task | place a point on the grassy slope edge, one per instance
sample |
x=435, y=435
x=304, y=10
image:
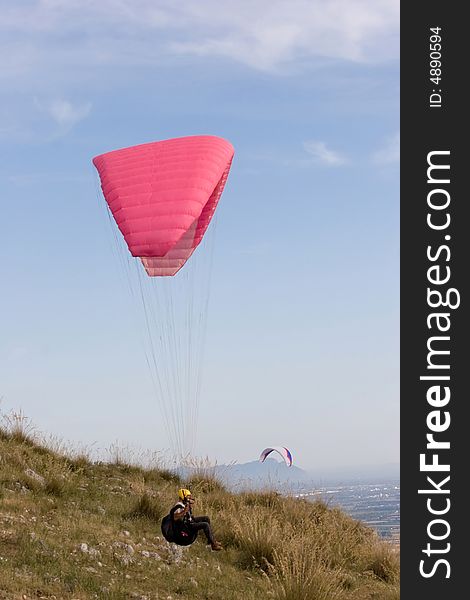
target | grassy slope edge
x=74, y=529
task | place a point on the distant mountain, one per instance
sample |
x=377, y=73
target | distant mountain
x=255, y=474
x=276, y=474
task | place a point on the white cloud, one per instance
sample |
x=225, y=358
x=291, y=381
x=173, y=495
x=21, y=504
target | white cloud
x=63, y=47
x=315, y=152
x=267, y=35
x=390, y=151
x=321, y=154
x=270, y=35
x=31, y=119
x=66, y=115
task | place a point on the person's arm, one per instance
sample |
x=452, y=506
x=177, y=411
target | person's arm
x=179, y=513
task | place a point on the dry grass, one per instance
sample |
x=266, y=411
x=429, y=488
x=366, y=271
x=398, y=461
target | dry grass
x=66, y=525
x=16, y=426
x=258, y=535
x=382, y=560
x=300, y=574
x=148, y=508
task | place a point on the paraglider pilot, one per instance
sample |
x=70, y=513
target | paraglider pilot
x=181, y=527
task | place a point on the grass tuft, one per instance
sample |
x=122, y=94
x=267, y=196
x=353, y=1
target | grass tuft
x=16, y=426
x=383, y=561
x=301, y=575
x=147, y=508
x=258, y=535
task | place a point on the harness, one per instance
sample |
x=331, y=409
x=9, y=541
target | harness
x=177, y=531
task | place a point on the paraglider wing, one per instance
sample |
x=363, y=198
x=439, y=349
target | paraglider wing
x=163, y=195
x=284, y=452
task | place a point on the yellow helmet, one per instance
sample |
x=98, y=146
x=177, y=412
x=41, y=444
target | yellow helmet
x=183, y=494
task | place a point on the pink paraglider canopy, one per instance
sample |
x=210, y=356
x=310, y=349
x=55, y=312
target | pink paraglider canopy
x=163, y=196
x=284, y=452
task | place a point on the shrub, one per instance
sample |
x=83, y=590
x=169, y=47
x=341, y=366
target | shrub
x=168, y=475
x=258, y=534
x=206, y=485
x=17, y=427
x=269, y=499
x=382, y=560
x=300, y=575
x=56, y=486
x=146, y=507
x=79, y=463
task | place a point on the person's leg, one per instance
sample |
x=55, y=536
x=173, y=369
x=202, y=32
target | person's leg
x=201, y=520
x=203, y=524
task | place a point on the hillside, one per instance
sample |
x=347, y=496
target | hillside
x=74, y=529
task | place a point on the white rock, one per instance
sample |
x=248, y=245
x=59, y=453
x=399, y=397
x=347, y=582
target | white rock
x=175, y=554
x=39, y=478
x=91, y=570
x=125, y=560
x=83, y=548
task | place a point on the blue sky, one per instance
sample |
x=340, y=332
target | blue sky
x=302, y=346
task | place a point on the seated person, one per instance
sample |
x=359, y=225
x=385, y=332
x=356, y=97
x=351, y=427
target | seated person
x=185, y=526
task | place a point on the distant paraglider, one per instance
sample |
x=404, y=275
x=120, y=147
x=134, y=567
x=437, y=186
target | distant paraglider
x=284, y=452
